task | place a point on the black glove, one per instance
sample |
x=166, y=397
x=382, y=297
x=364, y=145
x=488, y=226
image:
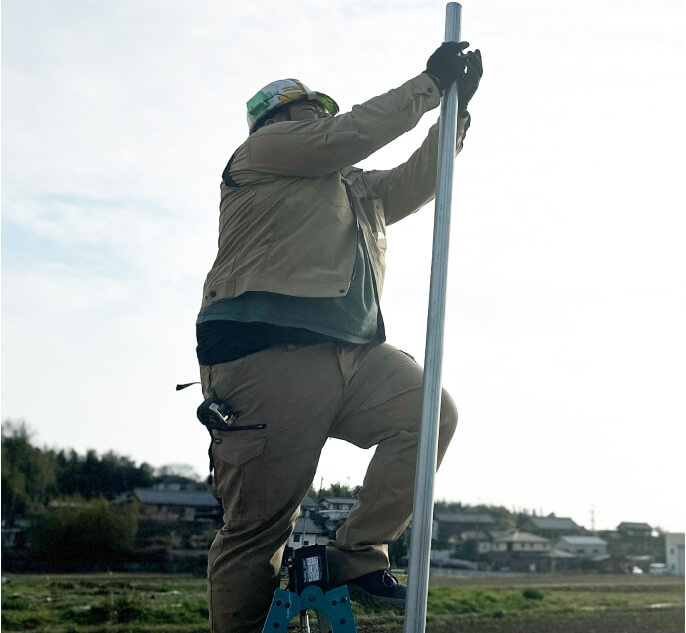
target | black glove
x=446, y=64
x=468, y=82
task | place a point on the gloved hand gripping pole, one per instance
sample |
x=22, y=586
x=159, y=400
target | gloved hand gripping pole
x=420, y=544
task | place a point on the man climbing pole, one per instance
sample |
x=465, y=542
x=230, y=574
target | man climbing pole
x=291, y=337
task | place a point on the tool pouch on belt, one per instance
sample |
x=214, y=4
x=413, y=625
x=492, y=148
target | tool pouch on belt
x=217, y=415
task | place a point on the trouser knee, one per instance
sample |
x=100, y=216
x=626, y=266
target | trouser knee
x=448, y=422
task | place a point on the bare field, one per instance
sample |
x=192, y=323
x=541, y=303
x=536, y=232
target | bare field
x=561, y=581
x=575, y=604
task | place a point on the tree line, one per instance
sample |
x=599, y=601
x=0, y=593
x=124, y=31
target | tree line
x=32, y=477
x=61, y=500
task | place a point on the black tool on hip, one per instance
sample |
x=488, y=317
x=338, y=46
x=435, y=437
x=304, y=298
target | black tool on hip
x=216, y=414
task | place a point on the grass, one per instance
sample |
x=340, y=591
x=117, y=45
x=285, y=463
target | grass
x=98, y=602
x=142, y=603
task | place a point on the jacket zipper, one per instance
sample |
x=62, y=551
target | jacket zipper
x=357, y=226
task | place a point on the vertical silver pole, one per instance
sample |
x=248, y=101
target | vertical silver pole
x=420, y=544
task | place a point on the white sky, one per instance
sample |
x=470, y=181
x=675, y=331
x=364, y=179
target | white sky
x=565, y=342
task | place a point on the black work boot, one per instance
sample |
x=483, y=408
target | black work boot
x=378, y=590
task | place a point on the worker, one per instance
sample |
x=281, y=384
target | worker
x=291, y=336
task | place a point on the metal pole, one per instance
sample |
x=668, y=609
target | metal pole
x=420, y=544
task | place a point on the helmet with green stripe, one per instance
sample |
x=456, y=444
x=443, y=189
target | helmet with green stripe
x=280, y=93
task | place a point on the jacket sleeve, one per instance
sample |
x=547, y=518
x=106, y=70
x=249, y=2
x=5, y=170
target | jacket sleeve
x=408, y=187
x=319, y=147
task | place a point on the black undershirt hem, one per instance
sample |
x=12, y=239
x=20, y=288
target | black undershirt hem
x=223, y=341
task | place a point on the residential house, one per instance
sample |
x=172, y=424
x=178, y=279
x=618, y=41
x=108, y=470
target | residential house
x=318, y=521
x=635, y=543
x=516, y=550
x=307, y=532
x=584, y=547
x=179, y=518
x=484, y=541
x=449, y=526
x=308, y=507
x=634, y=530
x=516, y=541
x=336, y=508
x=674, y=553
x=175, y=482
x=635, y=539
x=172, y=506
x=551, y=527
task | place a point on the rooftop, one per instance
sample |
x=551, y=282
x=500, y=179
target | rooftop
x=307, y=526
x=475, y=535
x=464, y=517
x=583, y=540
x=627, y=525
x=350, y=500
x=519, y=537
x=553, y=523
x=196, y=498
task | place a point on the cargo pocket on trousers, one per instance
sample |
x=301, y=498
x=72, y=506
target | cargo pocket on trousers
x=239, y=477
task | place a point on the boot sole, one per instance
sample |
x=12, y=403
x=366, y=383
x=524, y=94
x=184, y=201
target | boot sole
x=373, y=601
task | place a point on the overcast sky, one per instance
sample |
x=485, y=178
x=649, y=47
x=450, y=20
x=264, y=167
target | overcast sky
x=565, y=342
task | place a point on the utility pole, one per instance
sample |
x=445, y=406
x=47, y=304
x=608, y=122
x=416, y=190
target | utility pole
x=420, y=544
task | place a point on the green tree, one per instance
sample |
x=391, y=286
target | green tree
x=32, y=477
x=339, y=490
x=78, y=529
x=28, y=473
x=180, y=470
x=91, y=476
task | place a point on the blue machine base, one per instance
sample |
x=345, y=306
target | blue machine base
x=333, y=609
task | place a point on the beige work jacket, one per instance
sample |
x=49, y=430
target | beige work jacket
x=289, y=215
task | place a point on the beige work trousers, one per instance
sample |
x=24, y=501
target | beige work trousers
x=366, y=394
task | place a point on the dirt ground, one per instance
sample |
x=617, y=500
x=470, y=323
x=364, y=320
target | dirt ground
x=654, y=621
x=584, y=615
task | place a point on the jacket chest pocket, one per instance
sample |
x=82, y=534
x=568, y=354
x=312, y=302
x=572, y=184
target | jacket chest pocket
x=239, y=474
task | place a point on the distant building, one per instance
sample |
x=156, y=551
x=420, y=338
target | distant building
x=172, y=506
x=177, y=517
x=635, y=529
x=551, y=527
x=674, y=553
x=516, y=541
x=633, y=539
x=483, y=540
x=335, y=508
x=307, y=532
x=450, y=525
x=308, y=506
x=175, y=482
x=636, y=538
x=586, y=547
x=516, y=550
